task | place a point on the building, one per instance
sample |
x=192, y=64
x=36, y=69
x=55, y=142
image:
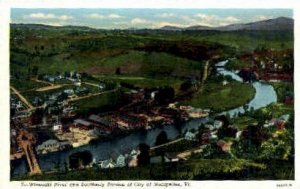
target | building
x=107, y=164
x=121, y=161
x=77, y=82
x=51, y=146
x=224, y=83
x=83, y=124
x=225, y=146
x=190, y=136
x=101, y=124
x=69, y=92
x=57, y=127
x=218, y=124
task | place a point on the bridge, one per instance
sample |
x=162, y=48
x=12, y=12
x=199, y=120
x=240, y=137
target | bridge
x=25, y=140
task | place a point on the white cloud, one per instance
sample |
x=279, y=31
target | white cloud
x=95, y=15
x=65, y=17
x=231, y=19
x=262, y=17
x=165, y=15
x=214, y=20
x=48, y=16
x=41, y=16
x=162, y=24
x=114, y=16
x=100, y=16
x=139, y=21
x=206, y=16
x=52, y=23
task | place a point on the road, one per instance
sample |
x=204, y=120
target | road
x=92, y=84
x=49, y=87
x=40, y=81
x=162, y=145
x=22, y=98
x=90, y=95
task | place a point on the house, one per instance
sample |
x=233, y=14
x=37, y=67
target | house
x=285, y=117
x=107, y=164
x=132, y=162
x=172, y=105
x=77, y=82
x=51, y=146
x=57, y=127
x=153, y=94
x=81, y=91
x=224, y=83
x=69, y=92
x=121, y=161
x=225, y=146
x=210, y=127
x=190, y=136
x=218, y=124
x=102, y=86
x=133, y=153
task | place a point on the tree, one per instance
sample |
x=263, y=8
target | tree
x=35, y=70
x=118, y=71
x=162, y=138
x=255, y=134
x=144, y=157
x=165, y=94
x=80, y=159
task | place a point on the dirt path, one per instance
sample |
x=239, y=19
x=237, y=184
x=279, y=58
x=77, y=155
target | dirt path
x=90, y=95
x=22, y=98
x=92, y=84
x=50, y=87
x=40, y=81
x=162, y=145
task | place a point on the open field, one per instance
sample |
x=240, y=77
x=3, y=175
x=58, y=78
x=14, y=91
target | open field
x=219, y=98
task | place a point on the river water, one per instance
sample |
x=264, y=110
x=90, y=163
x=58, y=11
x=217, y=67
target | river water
x=265, y=94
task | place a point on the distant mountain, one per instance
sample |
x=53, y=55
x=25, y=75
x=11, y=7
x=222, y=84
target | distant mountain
x=198, y=27
x=44, y=26
x=281, y=23
x=171, y=28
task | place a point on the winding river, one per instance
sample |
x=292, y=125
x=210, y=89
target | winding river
x=265, y=94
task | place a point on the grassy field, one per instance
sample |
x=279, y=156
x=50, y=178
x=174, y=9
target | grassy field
x=25, y=85
x=220, y=98
x=143, y=82
x=100, y=102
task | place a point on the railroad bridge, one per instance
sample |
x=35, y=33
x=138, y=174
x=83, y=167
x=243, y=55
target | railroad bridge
x=25, y=140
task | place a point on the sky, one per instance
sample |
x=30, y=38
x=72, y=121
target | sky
x=113, y=18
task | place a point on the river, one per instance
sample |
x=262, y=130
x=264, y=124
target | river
x=265, y=94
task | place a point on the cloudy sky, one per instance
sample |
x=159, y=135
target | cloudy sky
x=143, y=18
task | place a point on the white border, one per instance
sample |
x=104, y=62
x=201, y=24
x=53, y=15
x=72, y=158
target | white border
x=5, y=6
